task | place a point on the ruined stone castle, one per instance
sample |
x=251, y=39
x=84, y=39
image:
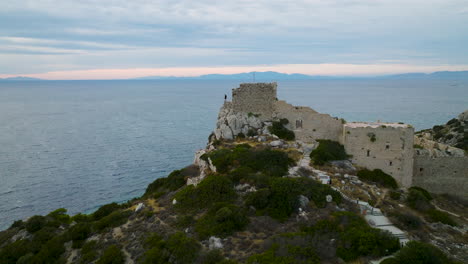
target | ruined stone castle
x=385, y=146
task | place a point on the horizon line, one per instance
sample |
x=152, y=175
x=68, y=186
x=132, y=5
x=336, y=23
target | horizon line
x=313, y=70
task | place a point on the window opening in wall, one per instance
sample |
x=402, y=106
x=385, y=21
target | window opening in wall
x=368, y=153
x=391, y=163
x=421, y=169
x=298, y=123
x=387, y=146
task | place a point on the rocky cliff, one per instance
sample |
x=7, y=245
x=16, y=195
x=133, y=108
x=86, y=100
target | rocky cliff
x=454, y=133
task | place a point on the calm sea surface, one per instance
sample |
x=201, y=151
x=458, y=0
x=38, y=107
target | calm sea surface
x=82, y=144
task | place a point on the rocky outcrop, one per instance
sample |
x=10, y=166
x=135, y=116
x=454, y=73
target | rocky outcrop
x=454, y=133
x=230, y=123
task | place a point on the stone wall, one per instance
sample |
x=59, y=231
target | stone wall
x=384, y=146
x=255, y=98
x=307, y=124
x=443, y=174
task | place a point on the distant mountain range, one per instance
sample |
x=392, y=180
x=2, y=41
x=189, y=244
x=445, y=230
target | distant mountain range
x=277, y=76
x=20, y=78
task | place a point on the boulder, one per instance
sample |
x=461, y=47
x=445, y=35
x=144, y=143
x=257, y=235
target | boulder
x=303, y=201
x=214, y=243
x=276, y=143
x=329, y=198
x=139, y=207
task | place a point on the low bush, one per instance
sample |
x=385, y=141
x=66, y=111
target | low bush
x=418, y=201
x=105, y=210
x=317, y=191
x=326, y=151
x=270, y=162
x=379, y=177
x=221, y=220
x=112, y=255
x=394, y=195
x=112, y=220
x=355, y=238
x=14, y=251
x=78, y=233
x=415, y=252
x=178, y=248
x=172, y=182
x=89, y=252
x=50, y=252
x=278, y=128
x=407, y=220
x=213, y=189
x=60, y=215
x=423, y=191
x=283, y=199
x=439, y=216
x=258, y=199
x=35, y=223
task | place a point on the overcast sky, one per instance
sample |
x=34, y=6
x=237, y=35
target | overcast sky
x=61, y=39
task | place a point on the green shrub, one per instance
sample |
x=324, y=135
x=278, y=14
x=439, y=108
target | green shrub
x=423, y=191
x=221, y=220
x=283, y=199
x=42, y=236
x=258, y=199
x=60, y=215
x=418, y=201
x=417, y=146
x=114, y=219
x=415, y=252
x=317, y=191
x=112, y=255
x=278, y=128
x=271, y=162
x=105, y=210
x=35, y=223
x=18, y=224
x=326, y=151
x=355, y=238
x=394, y=195
x=240, y=135
x=50, y=252
x=408, y=221
x=379, y=177
x=213, y=189
x=172, y=182
x=12, y=252
x=79, y=233
x=80, y=218
x=177, y=249
x=89, y=252
x=184, y=221
x=439, y=216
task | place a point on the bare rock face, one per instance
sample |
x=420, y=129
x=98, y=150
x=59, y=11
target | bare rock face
x=230, y=123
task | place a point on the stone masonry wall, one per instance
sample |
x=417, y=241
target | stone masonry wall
x=392, y=150
x=307, y=124
x=441, y=174
x=256, y=98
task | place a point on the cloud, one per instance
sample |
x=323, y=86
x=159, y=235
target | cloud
x=183, y=33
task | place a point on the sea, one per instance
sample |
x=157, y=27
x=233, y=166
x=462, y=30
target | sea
x=81, y=144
